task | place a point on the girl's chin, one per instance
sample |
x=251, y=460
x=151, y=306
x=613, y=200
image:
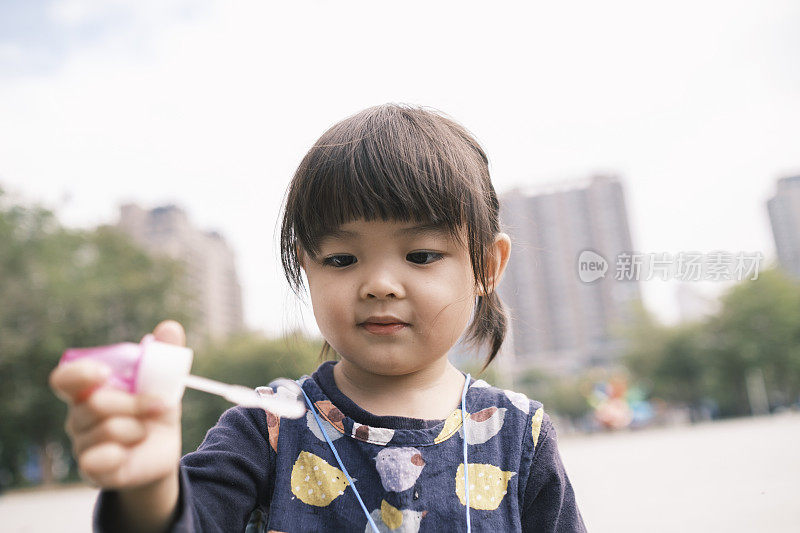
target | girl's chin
x=392, y=365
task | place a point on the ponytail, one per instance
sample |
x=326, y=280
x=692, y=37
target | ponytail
x=489, y=325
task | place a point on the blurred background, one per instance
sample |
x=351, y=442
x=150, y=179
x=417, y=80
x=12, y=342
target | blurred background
x=648, y=162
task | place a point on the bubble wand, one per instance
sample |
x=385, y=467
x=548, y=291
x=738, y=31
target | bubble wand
x=162, y=369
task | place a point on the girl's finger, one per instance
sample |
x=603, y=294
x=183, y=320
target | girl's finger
x=124, y=430
x=70, y=380
x=171, y=332
x=100, y=462
x=108, y=402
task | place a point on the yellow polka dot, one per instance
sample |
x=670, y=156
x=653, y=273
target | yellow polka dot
x=391, y=515
x=488, y=496
x=322, y=475
x=451, y=425
x=536, y=426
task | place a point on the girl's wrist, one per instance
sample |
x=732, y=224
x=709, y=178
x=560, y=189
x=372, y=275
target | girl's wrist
x=150, y=507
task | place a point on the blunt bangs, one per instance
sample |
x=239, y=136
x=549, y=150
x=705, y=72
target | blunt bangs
x=389, y=163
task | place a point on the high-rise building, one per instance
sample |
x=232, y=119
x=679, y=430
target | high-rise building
x=209, y=265
x=784, y=215
x=559, y=322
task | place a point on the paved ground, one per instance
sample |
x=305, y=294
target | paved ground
x=733, y=476
x=58, y=511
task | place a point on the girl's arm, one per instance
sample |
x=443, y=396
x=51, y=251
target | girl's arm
x=221, y=483
x=149, y=508
x=549, y=502
x=128, y=442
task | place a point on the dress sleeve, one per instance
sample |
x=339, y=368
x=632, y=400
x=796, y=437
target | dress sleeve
x=222, y=482
x=549, y=502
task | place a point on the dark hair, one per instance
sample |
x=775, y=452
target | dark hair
x=398, y=162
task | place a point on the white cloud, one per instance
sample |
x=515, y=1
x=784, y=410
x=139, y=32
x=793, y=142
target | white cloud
x=80, y=12
x=10, y=53
x=75, y=12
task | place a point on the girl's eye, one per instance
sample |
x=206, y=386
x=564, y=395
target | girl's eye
x=339, y=261
x=423, y=258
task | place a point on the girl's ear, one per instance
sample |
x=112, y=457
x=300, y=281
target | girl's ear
x=302, y=257
x=497, y=261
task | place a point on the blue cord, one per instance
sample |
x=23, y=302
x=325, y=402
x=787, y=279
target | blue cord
x=338, y=459
x=466, y=464
x=350, y=480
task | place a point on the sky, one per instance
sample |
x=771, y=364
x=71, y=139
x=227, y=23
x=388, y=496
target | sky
x=210, y=105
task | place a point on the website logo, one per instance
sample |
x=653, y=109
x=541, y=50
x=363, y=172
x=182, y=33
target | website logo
x=591, y=266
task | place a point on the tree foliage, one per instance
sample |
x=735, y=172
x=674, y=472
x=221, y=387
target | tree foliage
x=61, y=288
x=247, y=359
x=756, y=329
x=562, y=396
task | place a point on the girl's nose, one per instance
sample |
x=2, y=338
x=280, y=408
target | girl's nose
x=381, y=284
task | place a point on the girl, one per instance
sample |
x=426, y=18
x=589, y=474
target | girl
x=393, y=220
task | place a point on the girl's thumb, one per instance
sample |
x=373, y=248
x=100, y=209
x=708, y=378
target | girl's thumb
x=171, y=332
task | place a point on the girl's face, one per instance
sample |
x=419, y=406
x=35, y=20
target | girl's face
x=391, y=297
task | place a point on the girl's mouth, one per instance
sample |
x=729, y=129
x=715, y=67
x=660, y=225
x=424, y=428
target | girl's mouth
x=384, y=325
x=383, y=329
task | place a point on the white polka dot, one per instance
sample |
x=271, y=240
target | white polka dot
x=301, y=467
x=316, y=468
x=319, y=482
x=297, y=487
x=311, y=491
x=480, y=474
x=307, y=478
x=323, y=495
x=472, y=487
x=479, y=497
x=486, y=488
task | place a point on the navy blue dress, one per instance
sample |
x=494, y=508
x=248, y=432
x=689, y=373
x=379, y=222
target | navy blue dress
x=255, y=472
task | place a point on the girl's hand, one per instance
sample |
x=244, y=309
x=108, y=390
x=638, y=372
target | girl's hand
x=120, y=440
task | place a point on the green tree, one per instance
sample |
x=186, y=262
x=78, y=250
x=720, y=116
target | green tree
x=247, y=359
x=756, y=331
x=61, y=288
x=758, y=328
x=672, y=362
x=563, y=396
